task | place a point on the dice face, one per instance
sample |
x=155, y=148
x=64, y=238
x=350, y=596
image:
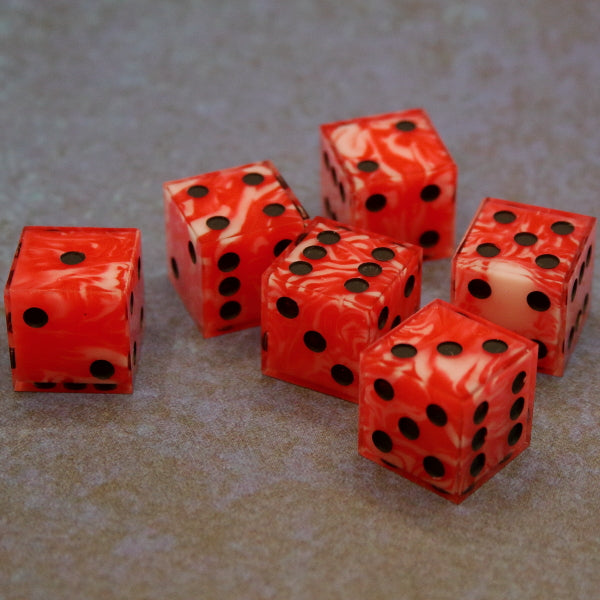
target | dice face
x=446, y=399
x=528, y=269
x=391, y=174
x=223, y=230
x=75, y=309
x=328, y=297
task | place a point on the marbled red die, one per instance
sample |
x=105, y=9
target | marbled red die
x=391, y=174
x=446, y=399
x=529, y=269
x=328, y=297
x=74, y=304
x=223, y=230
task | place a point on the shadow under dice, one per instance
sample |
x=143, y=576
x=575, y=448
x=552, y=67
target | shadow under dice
x=528, y=269
x=75, y=309
x=328, y=297
x=223, y=230
x=446, y=399
x=393, y=175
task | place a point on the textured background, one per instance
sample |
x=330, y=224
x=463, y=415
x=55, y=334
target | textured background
x=212, y=481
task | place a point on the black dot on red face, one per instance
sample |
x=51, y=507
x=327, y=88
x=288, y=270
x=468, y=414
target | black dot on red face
x=368, y=166
x=574, y=290
x=197, y=191
x=477, y=465
x=430, y=193
x=342, y=192
x=375, y=202
x=383, y=317
x=102, y=369
x=44, y=385
x=479, y=289
x=403, y=351
x=408, y=428
x=228, y=262
x=433, y=466
x=538, y=301
x=274, y=210
x=382, y=441
x=383, y=254
x=449, y=348
x=542, y=349
x=174, y=268
x=328, y=237
x=495, y=346
x=131, y=301
x=326, y=159
x=562, y=227
x=481, y=412
x=314, y=252
x=230, y=310
x=405, y=125
x=397, y=320
x=515, y=434
x=280, y=246
x=588, y=257
x=314, y=341
x=518, y=382
x=504, y=217
x=429, y=239
x=217, y=223
x=409, y=286
x=517, y=408
x=356, y=285
x=488, y=250
x=253, y=178
x=525, y=238
x=383, y=388
x=35, y=317
x=369, y=269
x=547, y=261
x=72, y=258
x=342, y=375
x=300, y=267
x=436, y=414
x=192, y=252
x=105, y=387
x=287, y=307
x=479, y=439
x=229, y=286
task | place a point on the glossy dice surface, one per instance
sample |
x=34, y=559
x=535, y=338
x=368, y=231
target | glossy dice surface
x=391, y=174
x=74, y=304
x=529, y=269
x=446, y=399
x=223, y=230
x=328, y=297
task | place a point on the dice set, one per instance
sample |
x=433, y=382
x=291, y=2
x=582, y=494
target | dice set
x=445, y=393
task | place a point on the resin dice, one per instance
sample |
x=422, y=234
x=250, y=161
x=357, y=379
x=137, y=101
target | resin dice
x=74, y=304
x=391, y=174
x=529, y=269
x=327, y=298
x=446, y=399
x=223, y=230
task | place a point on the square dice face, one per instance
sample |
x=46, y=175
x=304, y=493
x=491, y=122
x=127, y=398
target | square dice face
x=75, y=308
x=223, y=230
x=446, y=399
x=328, y=297
x=391, y=174
x=529, y=269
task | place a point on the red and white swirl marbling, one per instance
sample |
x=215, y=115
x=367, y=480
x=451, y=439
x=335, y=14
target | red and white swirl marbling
x=91, y=307
x=388, y=199
x=514, y=273
x=458, y=384
x=246, y=231
x=346, y=320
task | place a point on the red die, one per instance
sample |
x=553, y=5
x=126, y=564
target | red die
x=446, y=399
x=330, y=296
x=528, y=269
x=391, y=174
x=223, y=230
x=75, y=309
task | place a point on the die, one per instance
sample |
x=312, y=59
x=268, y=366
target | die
x=74, y=304
x=223, y=230
x=391, y=174
x=329, y=296
x=446, y=399
x=528, y=269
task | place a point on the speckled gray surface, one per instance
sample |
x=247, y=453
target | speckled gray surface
x=212, y=481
